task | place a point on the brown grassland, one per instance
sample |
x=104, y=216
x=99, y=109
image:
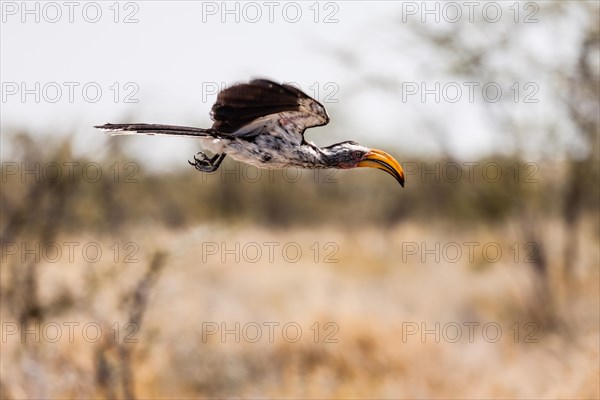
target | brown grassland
x=338, y=289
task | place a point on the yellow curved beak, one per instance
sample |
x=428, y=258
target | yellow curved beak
x=381, y=160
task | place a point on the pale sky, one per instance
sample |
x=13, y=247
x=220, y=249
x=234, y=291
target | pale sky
x=362, y=59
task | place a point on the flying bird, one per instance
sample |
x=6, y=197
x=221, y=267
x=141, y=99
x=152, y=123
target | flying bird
x=262, y=123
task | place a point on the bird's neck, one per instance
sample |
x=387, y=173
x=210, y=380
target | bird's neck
x=325, y=158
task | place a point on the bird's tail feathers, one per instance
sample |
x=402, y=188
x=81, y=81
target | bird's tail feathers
x=155, y=129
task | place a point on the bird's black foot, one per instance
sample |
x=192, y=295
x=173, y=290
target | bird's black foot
x=205, y=164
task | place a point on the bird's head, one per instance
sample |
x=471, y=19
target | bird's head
x=350, y=154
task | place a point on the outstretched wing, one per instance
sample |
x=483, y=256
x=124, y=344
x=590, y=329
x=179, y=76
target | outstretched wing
x=239, y=105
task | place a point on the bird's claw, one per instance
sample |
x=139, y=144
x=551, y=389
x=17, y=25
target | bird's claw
x=205, y=164
x=205, y=159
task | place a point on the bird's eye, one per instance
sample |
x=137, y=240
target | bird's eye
x=357, y=154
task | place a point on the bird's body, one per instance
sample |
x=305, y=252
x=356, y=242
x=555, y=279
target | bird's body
x=262, y=123
x=279, y=148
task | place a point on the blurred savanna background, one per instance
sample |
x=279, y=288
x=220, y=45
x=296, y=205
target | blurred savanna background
x=125, y=273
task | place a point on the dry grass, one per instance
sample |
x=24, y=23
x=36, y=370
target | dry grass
x=371, y=294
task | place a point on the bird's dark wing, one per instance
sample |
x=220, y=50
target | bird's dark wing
x=241, y=104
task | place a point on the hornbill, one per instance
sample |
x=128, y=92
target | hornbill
x=262, y=123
